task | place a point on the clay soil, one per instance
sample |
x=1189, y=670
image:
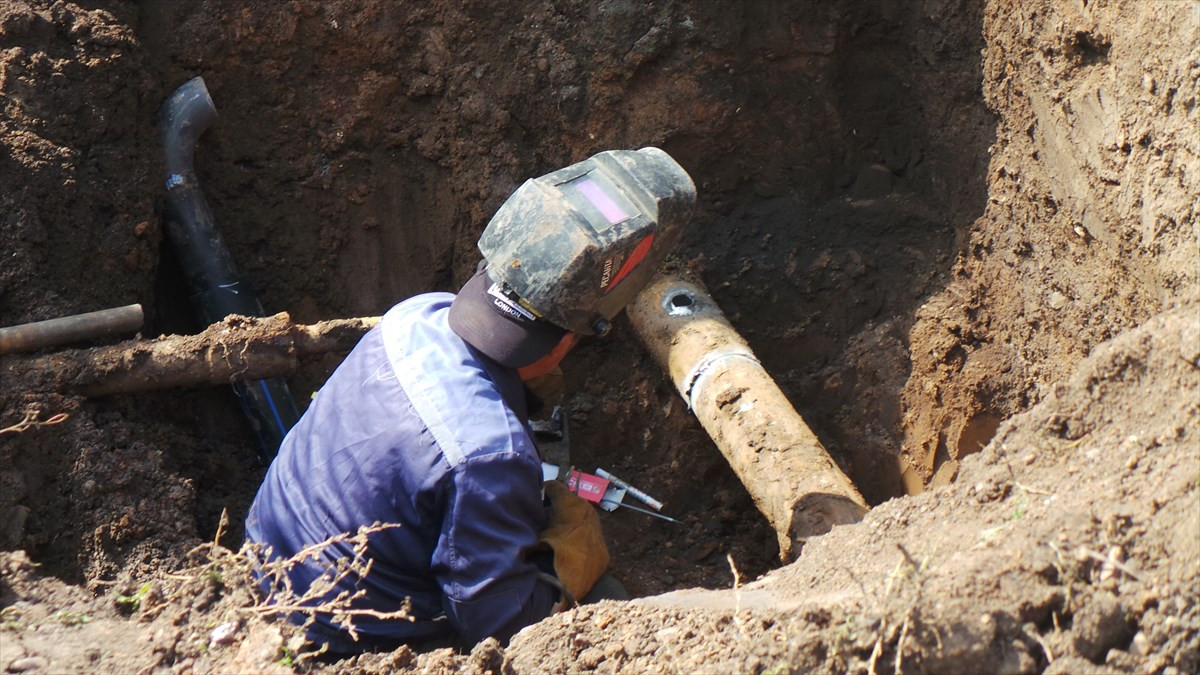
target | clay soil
x=962, y=236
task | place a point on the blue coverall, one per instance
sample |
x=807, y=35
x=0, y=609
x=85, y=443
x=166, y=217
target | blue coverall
x=416, y=427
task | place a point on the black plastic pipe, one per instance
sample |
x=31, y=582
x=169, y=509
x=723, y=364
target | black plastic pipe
x=212, y=278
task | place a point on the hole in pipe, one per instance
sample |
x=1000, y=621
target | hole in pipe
x=678, y=303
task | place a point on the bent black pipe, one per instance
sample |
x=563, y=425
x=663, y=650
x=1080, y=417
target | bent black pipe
x=217, y=289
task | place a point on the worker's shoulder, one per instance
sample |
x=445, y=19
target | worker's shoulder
x=421, y=306
x=449, y=385
x=476, y=420
x=418, y=323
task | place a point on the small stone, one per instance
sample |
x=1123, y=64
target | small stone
x=666, y=635
x=1121, y=661
x=223, y=634
x=1141, y=644
x=1030, y=458
x=1056, y=300
x=1116, y=556
x=29, y=664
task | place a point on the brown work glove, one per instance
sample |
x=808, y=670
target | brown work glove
x=573, y=533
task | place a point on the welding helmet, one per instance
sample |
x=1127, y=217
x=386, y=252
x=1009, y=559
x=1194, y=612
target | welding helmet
x=574, y=246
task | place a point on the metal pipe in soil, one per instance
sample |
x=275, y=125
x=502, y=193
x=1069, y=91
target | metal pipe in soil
x=70, y=329
x=789, y=474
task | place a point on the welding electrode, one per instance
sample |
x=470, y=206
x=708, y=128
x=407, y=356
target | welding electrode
x=641, y=496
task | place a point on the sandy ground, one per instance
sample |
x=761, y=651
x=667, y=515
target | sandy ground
x=964, y=240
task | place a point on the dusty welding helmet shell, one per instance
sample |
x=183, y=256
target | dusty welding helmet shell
x=493, y=322
x=578, y=243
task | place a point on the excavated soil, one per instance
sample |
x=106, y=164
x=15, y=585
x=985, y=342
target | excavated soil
x=963, y=239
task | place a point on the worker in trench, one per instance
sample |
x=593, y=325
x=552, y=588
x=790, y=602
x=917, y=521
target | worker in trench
x=422, y=434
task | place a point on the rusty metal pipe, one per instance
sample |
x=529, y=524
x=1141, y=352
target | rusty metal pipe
x=788, y=473
x=70, y=329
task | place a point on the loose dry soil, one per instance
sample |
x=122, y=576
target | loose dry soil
x=963, y=238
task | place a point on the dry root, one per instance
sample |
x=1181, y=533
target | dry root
x=31, y=421
x=277, y=596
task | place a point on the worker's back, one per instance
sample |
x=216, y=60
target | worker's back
x=415, y=428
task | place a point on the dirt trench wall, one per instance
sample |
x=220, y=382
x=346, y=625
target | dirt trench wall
x=78, y=232
x=77, y=223
x=1092, y=219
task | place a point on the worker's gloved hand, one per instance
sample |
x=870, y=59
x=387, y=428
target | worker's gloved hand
x=573, y=533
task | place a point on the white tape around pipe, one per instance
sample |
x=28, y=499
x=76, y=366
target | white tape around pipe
x=695, y=377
